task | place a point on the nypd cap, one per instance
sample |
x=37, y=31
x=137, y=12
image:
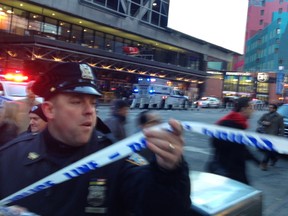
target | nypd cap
x=69, y=77
x=37, y=109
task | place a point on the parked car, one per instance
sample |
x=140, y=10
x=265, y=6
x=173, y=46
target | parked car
x=283, y=110
x=208, y=102
x=258, y=104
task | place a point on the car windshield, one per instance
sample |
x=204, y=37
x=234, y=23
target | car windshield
x=16, y=89
x=283, y=110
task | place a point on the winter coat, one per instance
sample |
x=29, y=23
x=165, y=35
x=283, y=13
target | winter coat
x=276, y=126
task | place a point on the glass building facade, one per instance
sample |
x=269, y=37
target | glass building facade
x=26, y=23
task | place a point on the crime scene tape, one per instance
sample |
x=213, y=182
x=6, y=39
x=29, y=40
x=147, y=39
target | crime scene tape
x=137, y=142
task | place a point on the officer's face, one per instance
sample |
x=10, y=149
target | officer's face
x=37, y=124
x=71, y=117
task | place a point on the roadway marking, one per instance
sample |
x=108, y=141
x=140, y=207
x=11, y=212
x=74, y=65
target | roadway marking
x=195, y=149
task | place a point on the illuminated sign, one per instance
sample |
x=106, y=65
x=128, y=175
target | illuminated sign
x=262, y=77
x=238, y=74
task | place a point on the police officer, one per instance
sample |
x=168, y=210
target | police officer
x=38, y=120
x=125, y=187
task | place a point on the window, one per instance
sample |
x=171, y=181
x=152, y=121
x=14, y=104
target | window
x=99, y=40
x=279, y=21
x=262, y=12
x=154, y=12
x=35, y=24
x=76, y=34
x=280, y=10
x=263, y=3
x=109, y=43
x=119, y=44
x=64, y=31
x=19, y=24
x=278, y=31
x=88, y=38
x=261, y=22
x=262, y=87
x=50, y=28
x=5, y=18
x=276, y=50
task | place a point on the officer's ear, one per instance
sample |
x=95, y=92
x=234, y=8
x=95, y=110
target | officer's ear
x=48, y=109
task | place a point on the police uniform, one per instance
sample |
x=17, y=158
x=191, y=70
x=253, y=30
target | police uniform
x=126, y=187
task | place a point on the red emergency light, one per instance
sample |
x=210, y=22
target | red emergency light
x=15, y=77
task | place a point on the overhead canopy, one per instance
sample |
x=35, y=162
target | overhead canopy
x=36, y=50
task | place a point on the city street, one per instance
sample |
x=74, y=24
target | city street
x=273, y=183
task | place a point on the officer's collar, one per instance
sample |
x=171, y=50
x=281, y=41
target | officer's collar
x=57, y=147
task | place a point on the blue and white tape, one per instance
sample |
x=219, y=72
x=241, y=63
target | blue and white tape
x=137, y=142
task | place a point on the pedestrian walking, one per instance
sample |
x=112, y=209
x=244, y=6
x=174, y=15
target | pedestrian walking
x=123, y=188
x=229, y=158
x=271, y=123
x=118, y=117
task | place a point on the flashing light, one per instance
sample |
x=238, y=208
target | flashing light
x=136, y=90
x=164, y=97
x=151, y=91
x=15, y=77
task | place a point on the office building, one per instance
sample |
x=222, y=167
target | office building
x=266, y=46
x=122, y=40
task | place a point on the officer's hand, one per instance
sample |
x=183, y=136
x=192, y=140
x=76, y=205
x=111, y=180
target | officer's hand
x=168, y=146
x=15, y=211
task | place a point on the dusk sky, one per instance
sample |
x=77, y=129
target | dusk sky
x=220, y=22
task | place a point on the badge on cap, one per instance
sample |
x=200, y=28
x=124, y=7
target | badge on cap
x=34, y=108
x=86, y=72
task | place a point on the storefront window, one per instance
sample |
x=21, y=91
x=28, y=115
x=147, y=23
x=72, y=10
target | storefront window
x=231, y=83
x=76, y=34
x=109, y=43
x=183, y=60
x=19, y=24
x=35, y=24
x=88, y=38
x=50, y=28
x=262, y=87
x=246, y=84
x=64, y=31
x=99, y=40
x=119, y=43
x=5, y=18
x=27, y=23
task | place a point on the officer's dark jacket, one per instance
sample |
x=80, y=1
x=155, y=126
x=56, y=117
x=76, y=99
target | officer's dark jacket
x=121, y=188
